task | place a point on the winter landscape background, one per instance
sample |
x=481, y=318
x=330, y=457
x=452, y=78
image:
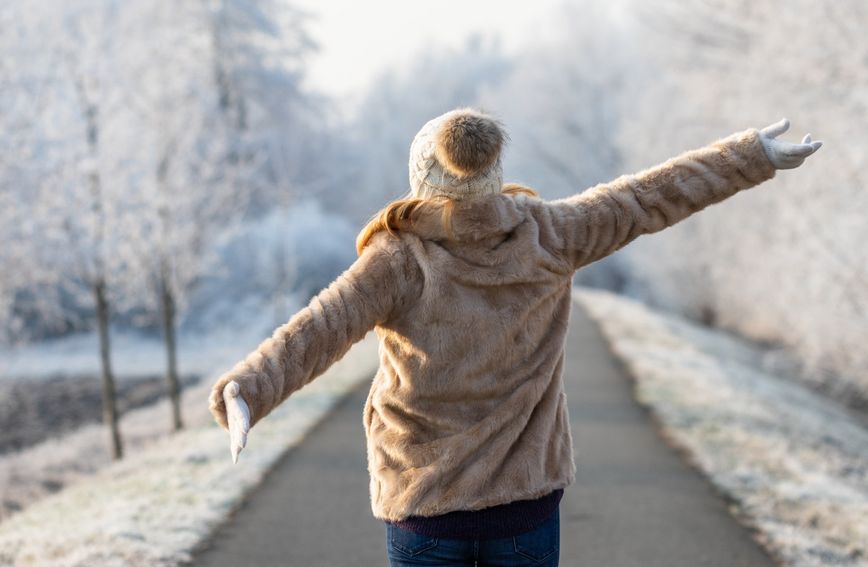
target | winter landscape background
x=177, y=179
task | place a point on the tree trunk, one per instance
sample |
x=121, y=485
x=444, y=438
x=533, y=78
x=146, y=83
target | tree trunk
x=109, y=407
x=168, y=302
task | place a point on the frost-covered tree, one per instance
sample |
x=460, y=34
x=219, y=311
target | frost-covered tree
x=782, y=264
x=179, y=180
x=136, y=132
x=212, y=122
x=65, y=194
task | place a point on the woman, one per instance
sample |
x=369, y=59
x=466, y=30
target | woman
x=467, y=285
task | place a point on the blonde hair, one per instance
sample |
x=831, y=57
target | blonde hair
x=390, y=216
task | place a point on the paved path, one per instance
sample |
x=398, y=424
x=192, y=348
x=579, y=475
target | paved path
x=634, y=501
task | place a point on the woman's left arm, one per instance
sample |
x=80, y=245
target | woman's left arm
x=378, y=283
x=603, y=219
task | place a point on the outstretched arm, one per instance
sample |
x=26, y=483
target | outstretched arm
x=366, y=294
x=597, y=222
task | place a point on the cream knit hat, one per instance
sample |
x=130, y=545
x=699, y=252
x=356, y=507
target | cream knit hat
x=457, y=155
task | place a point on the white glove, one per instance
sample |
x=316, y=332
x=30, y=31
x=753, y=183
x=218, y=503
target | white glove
x=785, y=155
x=238, y=417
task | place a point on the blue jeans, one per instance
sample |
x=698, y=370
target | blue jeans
x=540, y=548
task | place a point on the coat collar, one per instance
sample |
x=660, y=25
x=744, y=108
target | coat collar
x=472, y=219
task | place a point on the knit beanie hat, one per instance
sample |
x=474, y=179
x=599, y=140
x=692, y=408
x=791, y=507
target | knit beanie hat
x=457, y=155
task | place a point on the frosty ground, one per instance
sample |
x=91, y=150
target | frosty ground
x=165, y=497
x=45, y=467
x=793, y=464
x=34, y=410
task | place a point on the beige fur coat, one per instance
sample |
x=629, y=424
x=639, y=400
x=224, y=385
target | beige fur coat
x=467, y=409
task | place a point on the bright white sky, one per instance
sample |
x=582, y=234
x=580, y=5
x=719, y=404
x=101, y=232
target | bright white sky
x=359, y=38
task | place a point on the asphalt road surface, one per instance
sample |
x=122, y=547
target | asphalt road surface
x=634, y=502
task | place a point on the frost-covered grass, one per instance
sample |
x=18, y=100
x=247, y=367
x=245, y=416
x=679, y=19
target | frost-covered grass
x=167, y=496
x=44, y=468
x=794, y=463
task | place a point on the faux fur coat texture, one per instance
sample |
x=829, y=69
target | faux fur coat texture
x=467, y=409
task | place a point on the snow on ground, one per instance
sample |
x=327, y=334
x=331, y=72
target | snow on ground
x=167, y=496
x=32, y=473
x=794, y=463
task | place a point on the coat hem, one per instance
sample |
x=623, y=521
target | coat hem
x=479, y=505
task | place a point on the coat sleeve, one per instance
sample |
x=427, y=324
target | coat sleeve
x=595, y=223
x=374, y=287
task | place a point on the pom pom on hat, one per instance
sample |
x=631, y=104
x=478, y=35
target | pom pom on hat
x=468, y=142
x=457, y=155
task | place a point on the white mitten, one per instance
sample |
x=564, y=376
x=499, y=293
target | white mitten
x=238, y=417
x=785, y=155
